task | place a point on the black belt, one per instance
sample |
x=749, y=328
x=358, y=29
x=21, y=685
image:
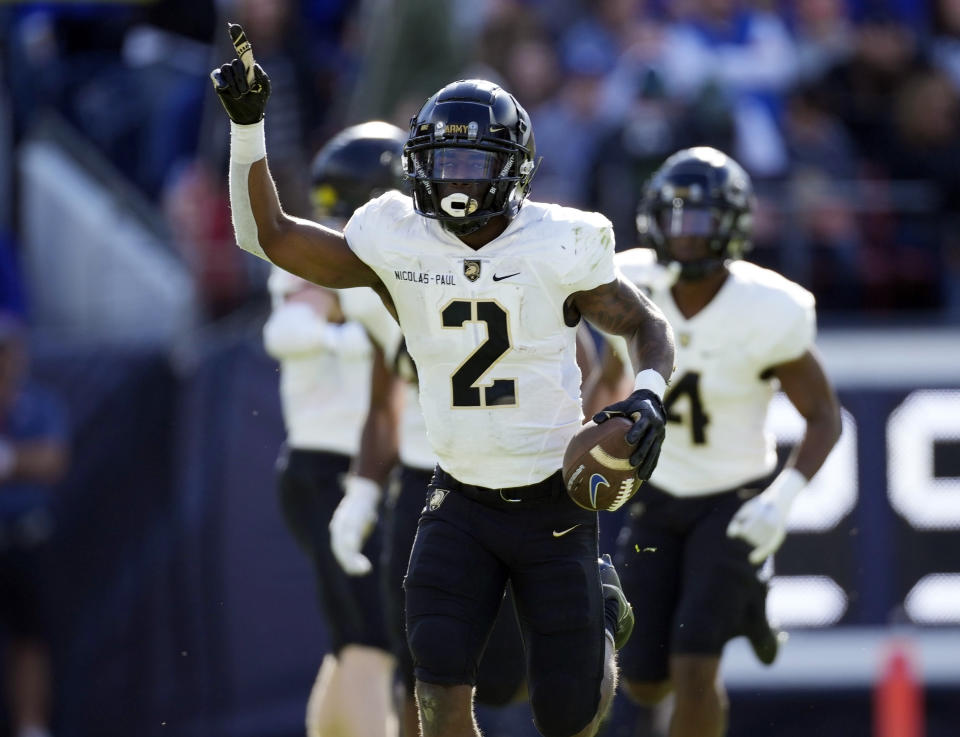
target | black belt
x=543, y=492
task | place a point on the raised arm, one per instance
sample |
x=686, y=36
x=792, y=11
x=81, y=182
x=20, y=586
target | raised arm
x=619, y=308
x=302, y=247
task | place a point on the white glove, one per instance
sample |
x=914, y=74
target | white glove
x=762, y=521
x=352, y=522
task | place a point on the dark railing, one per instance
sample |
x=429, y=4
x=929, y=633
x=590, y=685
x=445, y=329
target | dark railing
x=871, y=250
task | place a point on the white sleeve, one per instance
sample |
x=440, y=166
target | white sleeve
x=797, y=333
x=364, y=230
x=348, y=340
x=247, y=145
x=592, y=264
x=294, y=329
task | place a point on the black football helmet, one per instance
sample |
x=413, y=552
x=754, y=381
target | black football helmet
x=470, y=155
x=357, y=164
x=698, y=192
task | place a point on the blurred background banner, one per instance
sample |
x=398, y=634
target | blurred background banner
x=179, y=603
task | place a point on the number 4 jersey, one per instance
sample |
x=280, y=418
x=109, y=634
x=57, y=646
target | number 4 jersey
x=718, y=397
x=499, y=382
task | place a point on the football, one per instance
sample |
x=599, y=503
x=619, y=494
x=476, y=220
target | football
x=596, y=466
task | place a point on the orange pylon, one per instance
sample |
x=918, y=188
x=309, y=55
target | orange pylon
x=898, y=698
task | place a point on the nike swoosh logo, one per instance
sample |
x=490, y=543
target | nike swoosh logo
x=561, y=533
x=596, y=481
x=507, y=276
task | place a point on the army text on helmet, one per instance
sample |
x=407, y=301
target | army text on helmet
x=470, y=155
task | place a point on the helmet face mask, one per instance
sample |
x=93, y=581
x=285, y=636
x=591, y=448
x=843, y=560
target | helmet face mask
x=461, y=164
x=470, y=156
x=678, y=221
x=696, y=212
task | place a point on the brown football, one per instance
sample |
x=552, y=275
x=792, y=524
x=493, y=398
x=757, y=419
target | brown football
x=596, y=466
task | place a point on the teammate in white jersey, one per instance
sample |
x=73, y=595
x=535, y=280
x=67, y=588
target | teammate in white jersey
x=325, y=365
x=711, y=514
x=488, y=292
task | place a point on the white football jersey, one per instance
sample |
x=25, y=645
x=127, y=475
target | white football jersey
x=499, y=381
x=718, y=397
x=365, y=306
x=323, y=394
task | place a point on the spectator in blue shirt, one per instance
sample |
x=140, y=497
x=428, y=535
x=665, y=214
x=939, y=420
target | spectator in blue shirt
x=33, y=457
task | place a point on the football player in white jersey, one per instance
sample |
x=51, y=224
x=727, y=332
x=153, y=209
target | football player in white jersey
x=395, y=411
x=711, y=514
x=394, y=431
x=325, y=365
x=488, y=291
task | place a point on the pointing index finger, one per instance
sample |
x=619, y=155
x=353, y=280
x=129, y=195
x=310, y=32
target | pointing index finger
x=243, y=48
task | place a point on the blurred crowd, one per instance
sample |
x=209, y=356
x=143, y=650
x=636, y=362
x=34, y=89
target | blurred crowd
x=845, y=112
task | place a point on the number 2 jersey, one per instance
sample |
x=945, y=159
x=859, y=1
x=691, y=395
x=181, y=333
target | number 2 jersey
x=364, y=305
x=499, y=381
x=718, y=397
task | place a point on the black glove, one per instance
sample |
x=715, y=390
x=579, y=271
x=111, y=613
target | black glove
x=244, y=101
x=649, y=427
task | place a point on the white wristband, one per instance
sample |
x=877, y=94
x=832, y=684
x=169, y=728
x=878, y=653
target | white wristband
x=362, y=487
x=652, y=380
x=247, y=142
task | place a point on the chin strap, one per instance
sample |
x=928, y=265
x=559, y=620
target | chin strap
x=465, y=228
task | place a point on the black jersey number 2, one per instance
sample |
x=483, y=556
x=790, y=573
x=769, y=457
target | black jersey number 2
x=499, y=393
x=689, y=386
